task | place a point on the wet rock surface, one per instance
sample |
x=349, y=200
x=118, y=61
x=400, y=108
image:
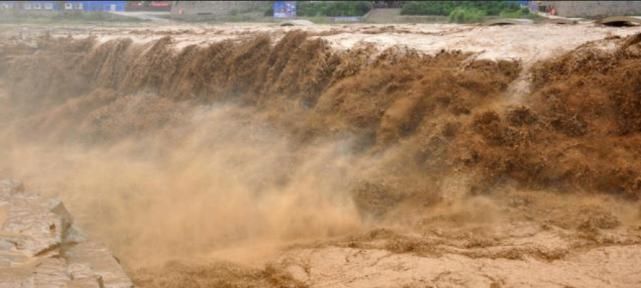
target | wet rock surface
x=40, y=247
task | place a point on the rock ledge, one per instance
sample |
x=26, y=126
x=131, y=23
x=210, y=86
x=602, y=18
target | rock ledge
x=40, y=247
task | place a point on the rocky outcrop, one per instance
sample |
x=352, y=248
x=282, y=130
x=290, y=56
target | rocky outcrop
x=40, y=247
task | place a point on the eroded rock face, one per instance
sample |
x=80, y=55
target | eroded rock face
x=39, y=246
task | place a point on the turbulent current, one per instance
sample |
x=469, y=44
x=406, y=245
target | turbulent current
x=238, y=149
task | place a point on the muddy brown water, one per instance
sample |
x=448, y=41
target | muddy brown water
x=267, y=153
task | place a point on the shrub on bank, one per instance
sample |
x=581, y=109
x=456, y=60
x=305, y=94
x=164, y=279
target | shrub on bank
x=442, y=8
x=445, y=8
x=333, y=9
x=466, y=15
x=517, y=13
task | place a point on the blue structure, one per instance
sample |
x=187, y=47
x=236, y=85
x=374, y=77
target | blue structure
x=8, y=5
x=87, y=6
x=284, y=9
x=38, y=5
x=95, y=6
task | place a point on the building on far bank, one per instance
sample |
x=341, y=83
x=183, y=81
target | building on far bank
x=30, y=5
x=589, y=9
x=95, y=6
x=44, y=6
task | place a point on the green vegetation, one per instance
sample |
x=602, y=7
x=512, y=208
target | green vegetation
x=445, y=8
x=519, y=13
x=466, y=11
x=333, y=9
x=466, y=15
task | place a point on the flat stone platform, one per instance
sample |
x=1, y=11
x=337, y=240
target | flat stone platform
x=40, y=247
